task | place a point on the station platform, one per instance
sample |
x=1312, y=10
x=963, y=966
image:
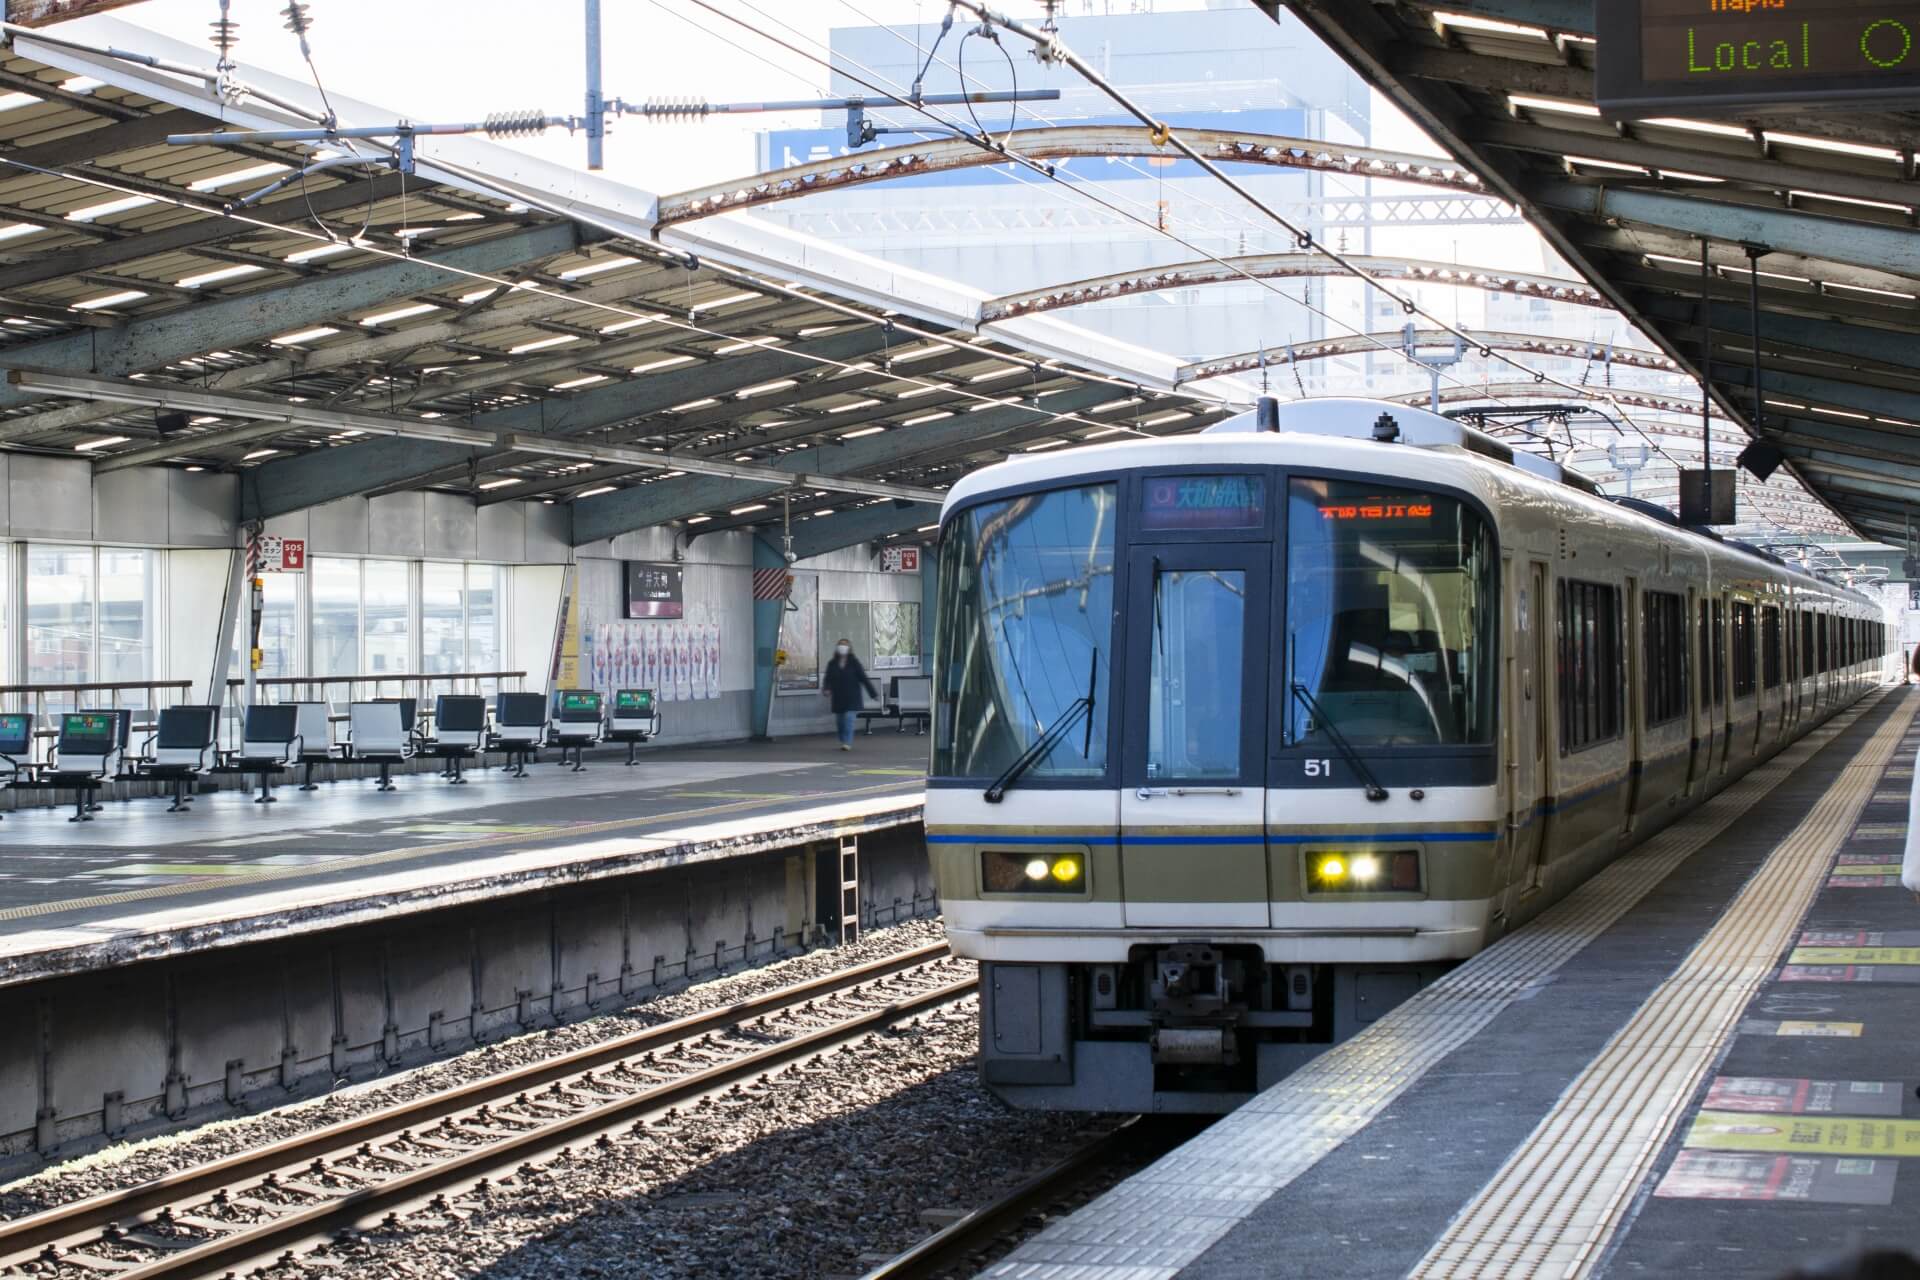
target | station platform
x=140, y=883
x=1703, y=1062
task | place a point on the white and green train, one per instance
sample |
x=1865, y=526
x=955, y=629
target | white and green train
x=1243, y=737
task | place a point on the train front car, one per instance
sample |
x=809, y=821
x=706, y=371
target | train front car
x=1214, y=770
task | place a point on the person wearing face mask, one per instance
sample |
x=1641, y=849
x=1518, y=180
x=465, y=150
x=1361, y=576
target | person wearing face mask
x=845, y=682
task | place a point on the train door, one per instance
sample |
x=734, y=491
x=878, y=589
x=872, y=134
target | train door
x=1636, y=699
x=1700, y=698
x=1193, y=788
x=1527, y=818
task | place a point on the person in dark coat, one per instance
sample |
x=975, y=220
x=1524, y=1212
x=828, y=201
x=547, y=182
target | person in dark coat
x=845, y=682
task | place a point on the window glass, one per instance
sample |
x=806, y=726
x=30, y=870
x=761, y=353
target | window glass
x=1390, y=616
x=1193, y=688
x=1026, y=632
x=279, y=626
x=389, y=645
x=335, y=585
x=1664, y=623
x=129, y=608
x=6, y=617
x=1770, y=646
x=59, y=618
x=443, y=627
x=486, y=592
x=1590, y=675
x=1743, y=637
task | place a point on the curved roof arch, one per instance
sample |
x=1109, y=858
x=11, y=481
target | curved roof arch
x=1064, y=143
x=1361, y=344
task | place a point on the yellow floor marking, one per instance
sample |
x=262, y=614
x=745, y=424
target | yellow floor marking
x=1552, y=1208
x=1804, y=1135
x=1844, y=1030
x=180, y=869
x=888, y=773
x=411, y=851
x=1855, y=955
x=734, y=795
x=1865, y=869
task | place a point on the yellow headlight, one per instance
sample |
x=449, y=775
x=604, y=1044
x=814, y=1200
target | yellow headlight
x=1332, y=868
x=1366, y=867
x=1066, y=870
x=1037, y=869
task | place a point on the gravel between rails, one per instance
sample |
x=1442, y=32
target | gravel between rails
x=129, y=1164
x=821, y=1171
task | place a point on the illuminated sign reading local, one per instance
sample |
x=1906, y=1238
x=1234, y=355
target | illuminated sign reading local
x=1377, y=510
x=1733, y=53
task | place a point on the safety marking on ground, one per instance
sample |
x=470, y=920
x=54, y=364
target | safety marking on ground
x=179, y=869
x=1715, y=1175
x=1855, y=955
x=1787, y=1096
x=1798, y=1027
x=1866, y=869
x=1849, y=973
x=1900, y=771
x=1285, y=1131
x=730, y=795
x=1863, y=882
x=357, y=861
x=1805, y=1135
x=888, y=773
x=1880, y=831
x=1860, y=938
x=1891, y=797
x=1555, y=1204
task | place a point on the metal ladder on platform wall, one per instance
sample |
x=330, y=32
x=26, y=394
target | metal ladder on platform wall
x=849, y=890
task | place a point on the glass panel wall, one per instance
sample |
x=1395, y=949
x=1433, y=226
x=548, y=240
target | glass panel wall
x=389, y=649
x=279, y=628
x=335, y=587
x=486, y=590
x=443, y=596
x=59, y=617
x=129, y=617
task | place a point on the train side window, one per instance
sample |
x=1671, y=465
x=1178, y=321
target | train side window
x=1770, y=646
x=1807, y=664
x=1821, y=643
x=1588, y=632
x=1719, y=653
x=1743, y=638
x=1664, y=641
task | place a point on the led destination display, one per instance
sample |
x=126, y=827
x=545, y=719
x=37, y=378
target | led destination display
x=1727, y=54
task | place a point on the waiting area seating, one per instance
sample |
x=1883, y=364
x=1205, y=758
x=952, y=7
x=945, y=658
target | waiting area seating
x=459, y=732
x=520, y=725
x=314, y=724
x=180, y=749
x=377, y=734
x=633, y=719
x=908, y=700
x=269, y=746
x=86, y=755
x=576, y=726
x=16, y=748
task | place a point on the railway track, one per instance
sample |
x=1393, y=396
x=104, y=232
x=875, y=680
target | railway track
x=960, y=1248
x=264, y=1205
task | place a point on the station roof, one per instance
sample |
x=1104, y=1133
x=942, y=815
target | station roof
x=487, y=324
x=1506, y=86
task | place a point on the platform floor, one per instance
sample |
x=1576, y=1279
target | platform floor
x=139, y=881
x=1702, y=1063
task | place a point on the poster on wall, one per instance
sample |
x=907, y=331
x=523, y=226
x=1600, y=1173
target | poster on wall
x=896, y=635
x=564, y=671
x=800, y=635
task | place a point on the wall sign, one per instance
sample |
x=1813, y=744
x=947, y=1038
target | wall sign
x=900, y=559
x=653, y=590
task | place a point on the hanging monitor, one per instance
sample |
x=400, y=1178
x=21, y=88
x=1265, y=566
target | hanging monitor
x=1662, y=56
x=1702, y=503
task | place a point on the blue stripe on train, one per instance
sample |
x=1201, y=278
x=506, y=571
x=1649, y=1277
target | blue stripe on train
x=1420, y=837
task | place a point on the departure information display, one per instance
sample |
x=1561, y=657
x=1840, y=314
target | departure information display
x=1726, y=54
x=1190, y=503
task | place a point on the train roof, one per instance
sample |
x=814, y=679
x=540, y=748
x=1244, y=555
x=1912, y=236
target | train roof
x=1348, y=427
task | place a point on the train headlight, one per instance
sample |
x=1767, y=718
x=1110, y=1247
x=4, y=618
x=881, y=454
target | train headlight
x=1366, y=868
x=1329, y=869
x=1007, y=872
x=1396, y=871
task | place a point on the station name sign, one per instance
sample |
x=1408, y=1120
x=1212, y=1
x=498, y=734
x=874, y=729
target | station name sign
x=1725, y=55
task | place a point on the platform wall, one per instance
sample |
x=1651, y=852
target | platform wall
x=146, y=1046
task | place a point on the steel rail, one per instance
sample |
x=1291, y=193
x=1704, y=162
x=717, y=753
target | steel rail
x=62, y=1222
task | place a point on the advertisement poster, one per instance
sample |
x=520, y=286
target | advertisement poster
x=896, y=635
x=564, y=673
x=678, y=661
x=800, y=636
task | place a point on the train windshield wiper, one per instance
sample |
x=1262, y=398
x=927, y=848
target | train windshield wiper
x=1050, y=738
x=1373, y=788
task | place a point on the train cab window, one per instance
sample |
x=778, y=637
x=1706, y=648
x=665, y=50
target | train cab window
x=1742, y=649
x=1026, y=629
x=1391, y=610
x=1770, y=654
x=1193, y=686
x=1664, y=624
x=1590, y=675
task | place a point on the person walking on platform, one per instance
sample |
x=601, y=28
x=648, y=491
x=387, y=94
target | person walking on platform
x=845, y=683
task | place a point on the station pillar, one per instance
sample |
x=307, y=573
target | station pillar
x=766, y=636
x=929, y=580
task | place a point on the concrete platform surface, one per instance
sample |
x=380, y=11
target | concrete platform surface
x=139, y=882
x=1702, y=1063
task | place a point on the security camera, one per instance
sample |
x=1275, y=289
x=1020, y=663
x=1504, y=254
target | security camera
x=792, y=558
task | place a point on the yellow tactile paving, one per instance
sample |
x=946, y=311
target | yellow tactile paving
x=1552, y=1208
x=1285, y=1131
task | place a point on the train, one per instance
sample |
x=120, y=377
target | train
x=1243, y=737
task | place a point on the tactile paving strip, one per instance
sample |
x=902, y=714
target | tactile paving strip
x=1197, y=1194
x=1552, y=1208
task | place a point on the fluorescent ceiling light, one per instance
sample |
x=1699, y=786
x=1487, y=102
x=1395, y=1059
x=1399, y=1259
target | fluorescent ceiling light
x=259, y=453
x=691, y=404
x=824, y=511
x=587, y=381
x=698, y=519
x=91, y=445
x=623, y=325
x=869, y=402
x=863, y=431
x=540, y=344
x=501, y=484
x=592, y=493
x=318, y=251
x=467, y=299
x=667, y=363
x=1529, y=103
x=108, y=208
x=1161, y=419
x=727, y=301
x=214, y=277
x=749, y=509
x=1044, y=445
x=747, y=393
x=109, y=300
x=399, y=313
x=237, y=175
x=19, y=229
x=927, y=417
x=595, y=268
x=303, y=335
x=196, y=467
x=1468, y=22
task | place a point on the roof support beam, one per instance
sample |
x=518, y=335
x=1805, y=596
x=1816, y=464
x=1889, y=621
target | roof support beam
x=145, y=345
x=1857, y=340
x=1882, y=248
x=822, y=534
x=610, y=514
x=125, y=135
x=290, y=484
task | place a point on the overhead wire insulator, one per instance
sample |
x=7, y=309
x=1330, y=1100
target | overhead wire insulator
x=675, y=108
x=515, y=124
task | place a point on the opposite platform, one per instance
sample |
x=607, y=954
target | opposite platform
x=141, y=883
x=1702, y=1062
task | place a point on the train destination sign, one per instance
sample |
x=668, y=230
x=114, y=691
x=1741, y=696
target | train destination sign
x=1724, y=55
